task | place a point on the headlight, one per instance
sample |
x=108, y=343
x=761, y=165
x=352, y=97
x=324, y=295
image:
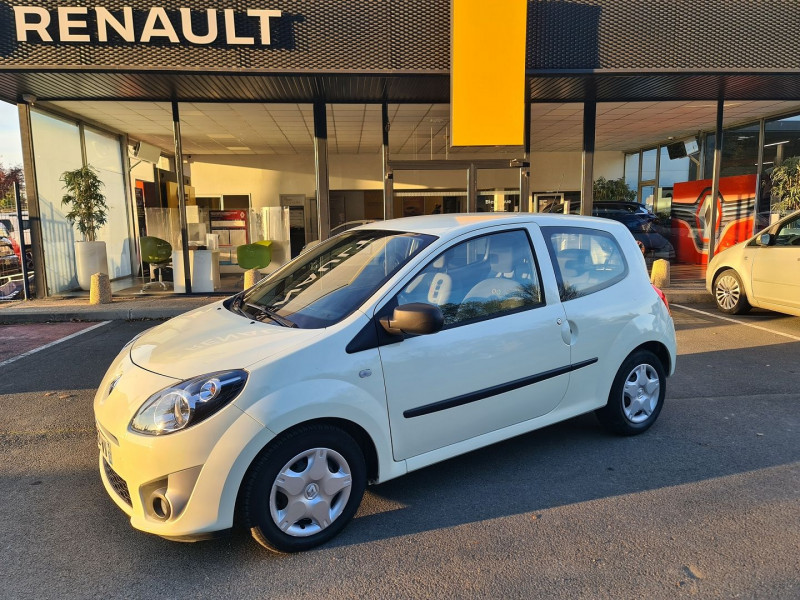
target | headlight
x=191, y=401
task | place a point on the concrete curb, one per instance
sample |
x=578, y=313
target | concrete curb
x=692, y=296
x=49, y=311
x=52, y=311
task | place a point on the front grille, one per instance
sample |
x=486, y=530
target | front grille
x=118, y=483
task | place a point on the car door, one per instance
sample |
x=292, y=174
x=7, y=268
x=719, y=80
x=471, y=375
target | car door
x=500, y=358
x=776, y=268
x=598, y=300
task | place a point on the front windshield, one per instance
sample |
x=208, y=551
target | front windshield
x=330, y=281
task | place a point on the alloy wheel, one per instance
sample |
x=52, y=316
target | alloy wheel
x=727, y=292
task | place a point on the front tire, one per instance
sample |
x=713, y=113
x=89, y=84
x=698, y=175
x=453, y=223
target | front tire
x=729, y=293
x=637, y=395
x=304, y=488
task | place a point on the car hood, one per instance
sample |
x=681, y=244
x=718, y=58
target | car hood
x=212, y=339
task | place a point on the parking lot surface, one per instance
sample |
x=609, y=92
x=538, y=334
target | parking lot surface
x=706, y=504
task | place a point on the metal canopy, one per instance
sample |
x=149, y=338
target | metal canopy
x=348, y=87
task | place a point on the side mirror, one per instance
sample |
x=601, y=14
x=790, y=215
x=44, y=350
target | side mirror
x=766, y=239
x=417, y=318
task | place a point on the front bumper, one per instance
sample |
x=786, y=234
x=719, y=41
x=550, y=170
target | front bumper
x=198, y=470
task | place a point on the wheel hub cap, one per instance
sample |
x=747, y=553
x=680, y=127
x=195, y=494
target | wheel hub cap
x=310, y=492
x=640, y=393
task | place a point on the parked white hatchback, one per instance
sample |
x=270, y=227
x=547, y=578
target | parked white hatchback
x=382, y=350
x=764, y=271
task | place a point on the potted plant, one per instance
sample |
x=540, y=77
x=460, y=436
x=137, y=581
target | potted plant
x=87, y=212
x=786, y=186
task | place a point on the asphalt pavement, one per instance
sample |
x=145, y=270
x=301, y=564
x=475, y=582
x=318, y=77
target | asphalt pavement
x=706, y=504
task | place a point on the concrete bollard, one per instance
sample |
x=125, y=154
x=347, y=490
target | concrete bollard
x=100, y=289
x=659, y=274
x=252, y=277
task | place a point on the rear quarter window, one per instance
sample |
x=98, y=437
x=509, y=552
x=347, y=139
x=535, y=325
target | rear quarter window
x=585, y=260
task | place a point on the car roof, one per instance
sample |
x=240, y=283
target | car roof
x=458, y=223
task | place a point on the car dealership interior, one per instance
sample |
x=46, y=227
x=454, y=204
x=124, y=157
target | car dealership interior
x=343, y=113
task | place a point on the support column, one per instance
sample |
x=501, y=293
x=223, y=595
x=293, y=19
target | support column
x=587, y=165
x=321, y=170
x=388, y=175
x=759, y=173
x=712, y=235
x=525, y=169
x=472, y=188
x=32, y=195
x=176, y=132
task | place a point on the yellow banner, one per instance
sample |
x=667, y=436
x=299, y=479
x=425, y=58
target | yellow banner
x=487, y=80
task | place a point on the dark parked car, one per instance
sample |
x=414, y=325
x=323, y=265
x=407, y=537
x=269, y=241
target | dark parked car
x=645, y=230
x=599, y=209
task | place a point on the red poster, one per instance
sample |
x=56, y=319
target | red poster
x=692, y=208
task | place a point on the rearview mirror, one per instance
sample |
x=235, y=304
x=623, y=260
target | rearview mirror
x=417, y=318
x=766, y=239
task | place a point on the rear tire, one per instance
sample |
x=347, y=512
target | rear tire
x=729, y=293
x=304, y=488
x=637, y=395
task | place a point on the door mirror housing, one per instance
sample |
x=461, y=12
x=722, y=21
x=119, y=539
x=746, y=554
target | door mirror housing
x=417, y=318
x=766, y=239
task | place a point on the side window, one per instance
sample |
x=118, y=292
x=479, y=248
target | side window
x=789, y=233
x=482, y=277
x=585, y=260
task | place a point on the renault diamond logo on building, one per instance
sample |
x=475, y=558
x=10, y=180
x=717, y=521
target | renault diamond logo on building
x=83, y=24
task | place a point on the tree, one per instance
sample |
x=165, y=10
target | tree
x=605, y=190
x=786, y=186
x=8, y=175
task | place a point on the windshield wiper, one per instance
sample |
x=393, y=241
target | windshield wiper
x=270, y=314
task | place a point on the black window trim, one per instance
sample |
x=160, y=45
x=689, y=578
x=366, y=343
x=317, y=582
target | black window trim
x=480, y=319
x=572, y=229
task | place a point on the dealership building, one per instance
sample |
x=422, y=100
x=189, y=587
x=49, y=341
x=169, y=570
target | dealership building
x=217, y=126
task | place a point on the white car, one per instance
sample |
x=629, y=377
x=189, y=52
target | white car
x=382, y=350
x=764, y=271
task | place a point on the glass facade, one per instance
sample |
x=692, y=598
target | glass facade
x=250, y=177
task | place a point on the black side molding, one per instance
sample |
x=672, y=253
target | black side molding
x=493, y=391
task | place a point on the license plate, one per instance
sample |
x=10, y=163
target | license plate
x=105, y=447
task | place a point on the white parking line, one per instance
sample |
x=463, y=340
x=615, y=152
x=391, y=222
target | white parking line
x=721, y=318
x=51, y=344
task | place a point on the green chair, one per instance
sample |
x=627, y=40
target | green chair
x=254, y=256
x=156, y=253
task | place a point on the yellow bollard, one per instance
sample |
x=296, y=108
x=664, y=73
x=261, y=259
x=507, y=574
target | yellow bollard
x=659, y=274
x=100, y=289
x=251, y=277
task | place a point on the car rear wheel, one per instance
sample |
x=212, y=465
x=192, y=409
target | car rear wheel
x=637, y=395
x=729, y=293
x=304, y=488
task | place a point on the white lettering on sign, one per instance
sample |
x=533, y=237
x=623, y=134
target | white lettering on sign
x=124, y=29
x=264, y=16
x=72, y=24
x=66, y=25
x=189, y=34
x=159, y=25
x=39, y=23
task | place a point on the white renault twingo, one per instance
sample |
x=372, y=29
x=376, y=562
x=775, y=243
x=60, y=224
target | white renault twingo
x=382, y=350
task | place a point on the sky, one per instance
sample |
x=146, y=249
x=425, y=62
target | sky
x=10, y=149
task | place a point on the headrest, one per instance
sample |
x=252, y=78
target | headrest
x=501, y=256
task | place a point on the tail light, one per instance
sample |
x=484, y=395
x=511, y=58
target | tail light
x=663, y=297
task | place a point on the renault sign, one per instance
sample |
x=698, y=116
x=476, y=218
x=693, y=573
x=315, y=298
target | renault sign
x=98, y=24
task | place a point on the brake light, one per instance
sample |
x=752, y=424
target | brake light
x=663, y=297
